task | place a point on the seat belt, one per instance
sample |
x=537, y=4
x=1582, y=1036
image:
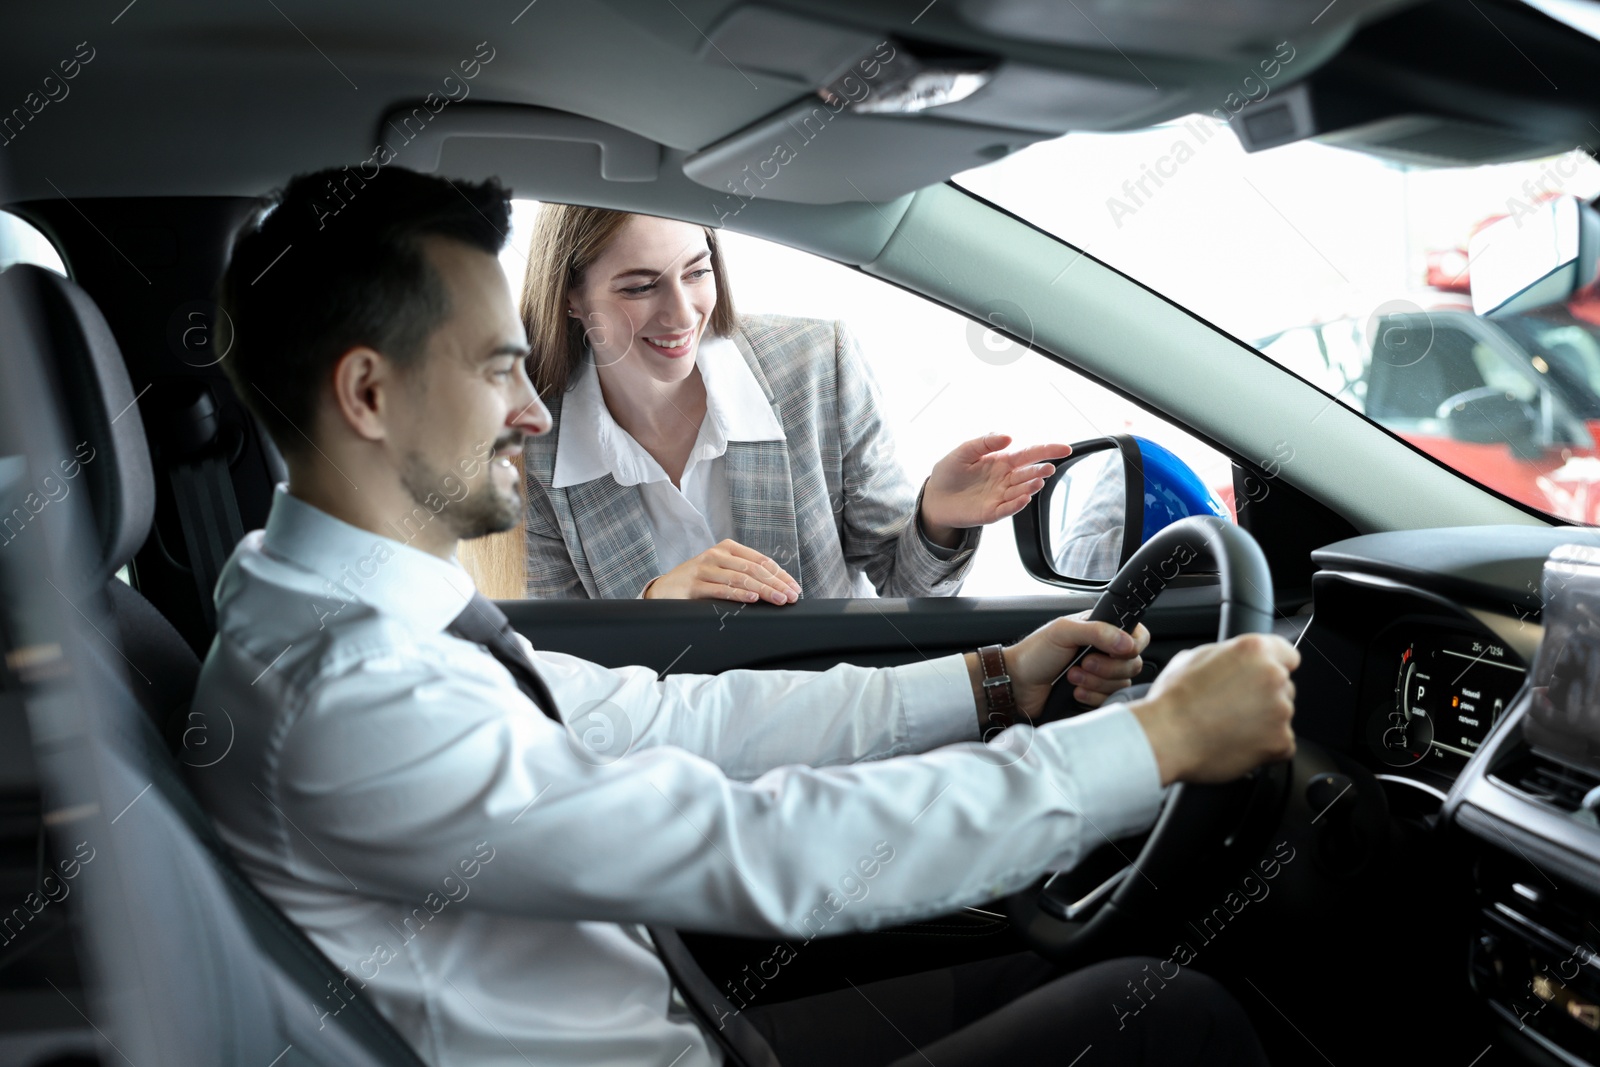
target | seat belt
x=209, y=514
x=202, y=487
x=741, y=1043
x=483, y=623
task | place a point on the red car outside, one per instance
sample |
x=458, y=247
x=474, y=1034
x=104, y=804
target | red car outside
x=1513, y=401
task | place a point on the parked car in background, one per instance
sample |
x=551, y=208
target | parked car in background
x=1513, y=401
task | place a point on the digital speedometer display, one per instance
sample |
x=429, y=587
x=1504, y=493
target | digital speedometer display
x=1448, y=689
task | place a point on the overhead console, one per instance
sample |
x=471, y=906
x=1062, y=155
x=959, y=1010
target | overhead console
x=920, y=113
x=1526, y=805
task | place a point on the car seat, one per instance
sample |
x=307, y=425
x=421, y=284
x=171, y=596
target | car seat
x=191, y=965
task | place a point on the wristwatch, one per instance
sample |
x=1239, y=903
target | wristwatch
x=1000, y=702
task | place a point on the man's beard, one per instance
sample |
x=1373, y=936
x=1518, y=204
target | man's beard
x=484, y=509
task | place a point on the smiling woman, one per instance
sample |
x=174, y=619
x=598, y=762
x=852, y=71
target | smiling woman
x=702, y=454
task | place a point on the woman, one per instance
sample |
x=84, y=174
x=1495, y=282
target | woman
x=697, y=454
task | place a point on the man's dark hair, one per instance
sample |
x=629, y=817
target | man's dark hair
x=334, y=261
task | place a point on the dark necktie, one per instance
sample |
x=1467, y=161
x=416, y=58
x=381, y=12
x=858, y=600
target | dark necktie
x=482, y=623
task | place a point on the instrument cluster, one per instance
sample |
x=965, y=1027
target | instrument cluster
x=1433, y=692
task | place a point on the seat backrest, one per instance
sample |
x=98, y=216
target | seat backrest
x=197, y=967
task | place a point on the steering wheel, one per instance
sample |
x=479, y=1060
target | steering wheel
x=1472, y=396
x=1204, y=833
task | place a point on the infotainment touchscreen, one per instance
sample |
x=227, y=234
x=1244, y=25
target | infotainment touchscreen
x=1563, y=718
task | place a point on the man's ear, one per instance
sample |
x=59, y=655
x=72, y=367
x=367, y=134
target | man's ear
x=364, y=383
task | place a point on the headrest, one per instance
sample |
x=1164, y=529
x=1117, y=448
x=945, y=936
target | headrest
x=100, y=418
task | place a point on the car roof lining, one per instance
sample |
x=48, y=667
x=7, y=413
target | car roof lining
x=249, y=96
x=289, y=90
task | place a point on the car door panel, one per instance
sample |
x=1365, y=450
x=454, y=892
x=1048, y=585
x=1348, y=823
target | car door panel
x=708, y=637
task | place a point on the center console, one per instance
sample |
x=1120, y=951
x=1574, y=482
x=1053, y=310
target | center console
x=1526, y=803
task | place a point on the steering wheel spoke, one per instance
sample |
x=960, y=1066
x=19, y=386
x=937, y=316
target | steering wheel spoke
x=1083, y=907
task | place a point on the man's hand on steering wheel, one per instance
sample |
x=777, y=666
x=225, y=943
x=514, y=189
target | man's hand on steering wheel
x=1215, y=713
x=1219, y=711
x=1038, y=659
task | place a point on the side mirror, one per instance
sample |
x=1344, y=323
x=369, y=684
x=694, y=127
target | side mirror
x=1104, y=502
x=1535, y=257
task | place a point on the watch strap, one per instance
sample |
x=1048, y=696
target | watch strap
x=1000, y=701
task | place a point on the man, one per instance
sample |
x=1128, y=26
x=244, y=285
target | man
x=402, y=787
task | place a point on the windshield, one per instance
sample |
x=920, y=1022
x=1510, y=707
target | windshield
x=1350, y=271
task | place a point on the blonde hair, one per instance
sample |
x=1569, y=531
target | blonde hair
x=496, y=562
x=567, y=239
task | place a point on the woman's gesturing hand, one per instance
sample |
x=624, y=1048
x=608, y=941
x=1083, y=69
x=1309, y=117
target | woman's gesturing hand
x=977, y=484
x=726, y=571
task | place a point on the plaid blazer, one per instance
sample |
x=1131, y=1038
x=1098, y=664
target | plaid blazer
x=829, y=503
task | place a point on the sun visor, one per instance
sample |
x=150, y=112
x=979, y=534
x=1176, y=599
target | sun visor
x=417, y=135
x=887, y=116
x=811, y=153
x=765, y=40
x=1025, y=96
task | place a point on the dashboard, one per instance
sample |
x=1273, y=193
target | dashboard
x=1420, y=642
x=1424, y=663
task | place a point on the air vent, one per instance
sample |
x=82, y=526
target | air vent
x=1546, y=780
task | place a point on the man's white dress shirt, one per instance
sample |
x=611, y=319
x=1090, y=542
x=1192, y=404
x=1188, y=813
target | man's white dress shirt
x=478, y=870
x=685, y=521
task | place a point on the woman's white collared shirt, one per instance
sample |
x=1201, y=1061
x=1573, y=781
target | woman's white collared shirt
x=683, y=522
